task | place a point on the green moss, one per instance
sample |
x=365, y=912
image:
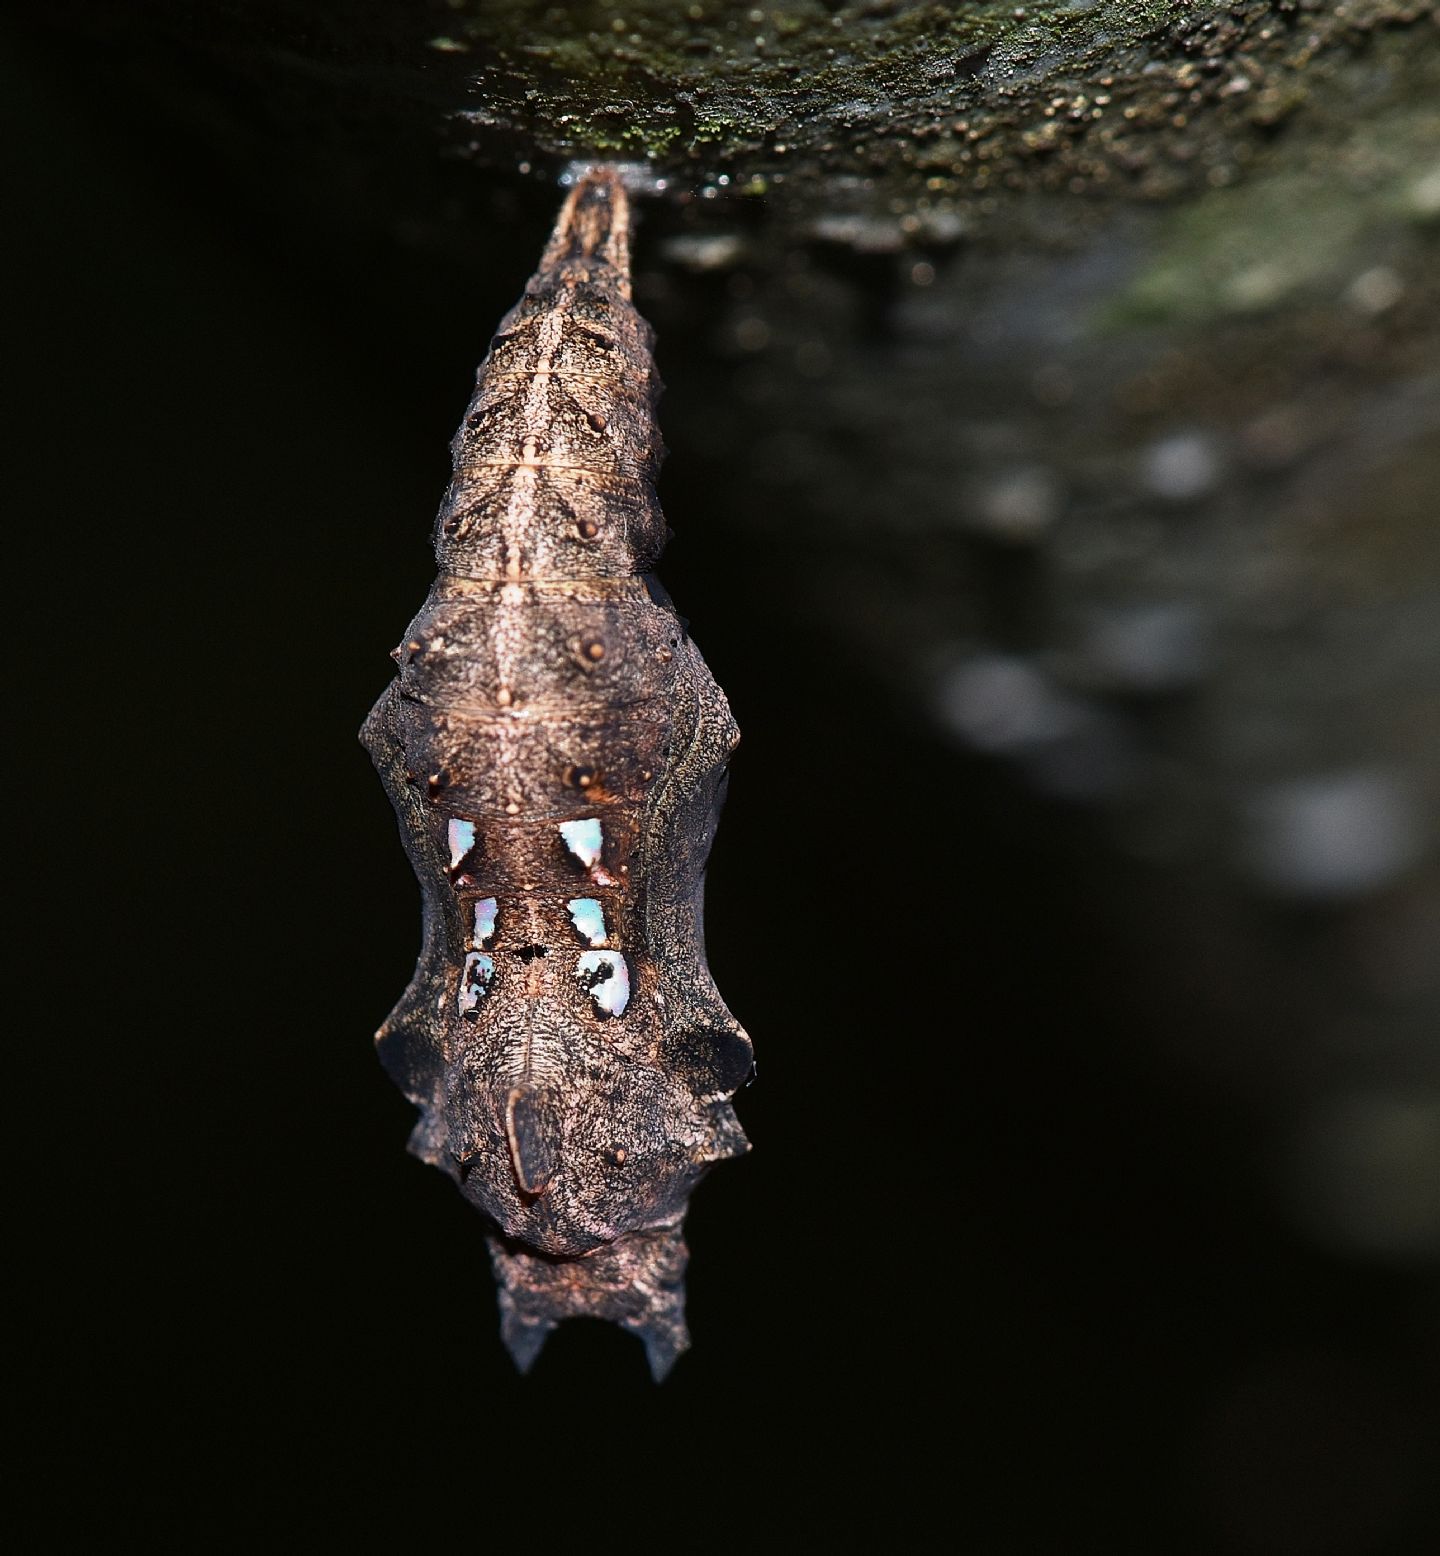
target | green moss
x=716, y=80
x=907, y=105
x=1244, y=251
x=1325, y=206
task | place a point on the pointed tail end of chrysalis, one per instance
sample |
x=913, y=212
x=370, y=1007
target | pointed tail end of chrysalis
x=594, y=224
x=638, y=1282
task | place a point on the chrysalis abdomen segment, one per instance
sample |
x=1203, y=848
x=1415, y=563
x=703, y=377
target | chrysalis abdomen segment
x=556, y=747
x=555, y=462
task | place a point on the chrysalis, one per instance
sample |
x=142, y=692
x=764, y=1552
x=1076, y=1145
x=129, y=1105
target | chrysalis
x=556, y=750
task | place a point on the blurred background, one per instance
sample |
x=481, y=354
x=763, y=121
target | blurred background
x=1055, y=485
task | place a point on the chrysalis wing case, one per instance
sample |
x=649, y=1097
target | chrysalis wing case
x=556, y=750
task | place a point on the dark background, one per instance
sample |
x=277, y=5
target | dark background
x=995, y=1276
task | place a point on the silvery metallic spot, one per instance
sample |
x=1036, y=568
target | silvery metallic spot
x=588, y=918
x=475, y=979
x=484, y=924
x=584, y=839
x=461, y=837
x=607, y=977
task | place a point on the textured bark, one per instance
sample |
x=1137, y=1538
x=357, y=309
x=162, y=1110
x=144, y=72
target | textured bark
x=556, y=750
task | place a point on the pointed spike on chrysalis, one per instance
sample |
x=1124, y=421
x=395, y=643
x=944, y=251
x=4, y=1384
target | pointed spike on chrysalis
x=665, y=1343
x=523, y=1340
x=638, y=1282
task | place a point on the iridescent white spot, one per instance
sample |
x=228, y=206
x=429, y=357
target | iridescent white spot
x=462, y=842
x=484, y=922
x=583, y=839
x=475, y=981
x=607, y=975
x=588, y=917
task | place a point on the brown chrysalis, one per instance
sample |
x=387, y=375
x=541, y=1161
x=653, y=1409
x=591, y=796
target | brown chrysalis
x=556, y=750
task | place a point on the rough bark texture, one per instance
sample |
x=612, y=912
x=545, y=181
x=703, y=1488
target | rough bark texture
x=556, y=750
